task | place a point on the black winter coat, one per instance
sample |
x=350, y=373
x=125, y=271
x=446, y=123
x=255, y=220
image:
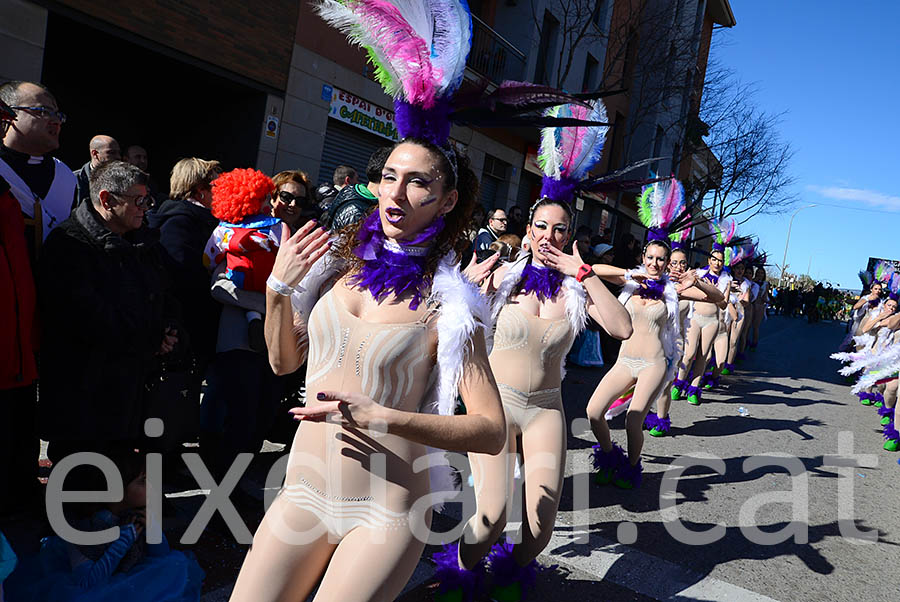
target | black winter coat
x=184, y=229
x=105, y=309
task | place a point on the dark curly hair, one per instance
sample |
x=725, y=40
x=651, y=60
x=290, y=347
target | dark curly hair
x=451, y=238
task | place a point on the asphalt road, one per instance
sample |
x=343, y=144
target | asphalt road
x=620, y=545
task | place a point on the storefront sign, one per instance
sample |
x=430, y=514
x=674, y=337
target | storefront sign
x=360, y=113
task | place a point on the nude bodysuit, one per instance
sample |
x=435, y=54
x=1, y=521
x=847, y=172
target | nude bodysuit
x=526, y=360
x=349, y=493
x=644, y=348
x=392, y=364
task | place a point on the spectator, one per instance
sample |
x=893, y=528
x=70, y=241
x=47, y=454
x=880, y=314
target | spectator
x=603, y=252
x=137, y=156
x=624, y=255
x=19, y=442
x=516, y=224
x=478, y=216
x=185, y=223
x=128, y=566
x=103, y=149
x=496, y=226
x=292, y=202
x=344, y=175
x=353, y=202
x=36, y=179
x=102, y=292
x=324, y=196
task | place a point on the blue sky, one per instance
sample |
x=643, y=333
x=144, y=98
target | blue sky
x=834, y=68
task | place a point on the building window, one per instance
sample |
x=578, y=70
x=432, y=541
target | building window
x=547, y=48
x=494, y=182
x=591, y=66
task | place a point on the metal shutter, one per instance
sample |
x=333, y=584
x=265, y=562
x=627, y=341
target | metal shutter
x=489, y=188
x=347, y=145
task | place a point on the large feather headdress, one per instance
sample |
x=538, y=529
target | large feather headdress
x=419, y=50
x=663, y=210
x=725, y=230
x=567, y=154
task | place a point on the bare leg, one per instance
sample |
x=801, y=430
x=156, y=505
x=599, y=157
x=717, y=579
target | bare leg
x=371, y=565
x=738, y=333
x=544, y=450
x=616, y=381
x=721, y=348
x=493, y=476
x=890, y=394
x=649, y=384
x=277, y=569
x=707, y=337
x=691, y=347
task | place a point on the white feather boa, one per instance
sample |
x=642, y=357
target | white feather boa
x=672, y=343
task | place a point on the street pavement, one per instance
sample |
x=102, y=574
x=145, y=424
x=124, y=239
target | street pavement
x=620, y=545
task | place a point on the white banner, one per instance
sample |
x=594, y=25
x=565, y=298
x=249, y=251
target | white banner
x=360, y=113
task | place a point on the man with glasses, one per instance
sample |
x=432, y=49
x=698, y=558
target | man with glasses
x=103, y=149
x=106, y=317
x=496, y=226
x=43, y=185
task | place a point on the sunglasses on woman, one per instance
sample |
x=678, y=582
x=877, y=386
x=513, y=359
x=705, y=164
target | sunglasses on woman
x=287, y=198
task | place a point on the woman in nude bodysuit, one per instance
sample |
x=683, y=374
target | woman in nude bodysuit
x=378, y=347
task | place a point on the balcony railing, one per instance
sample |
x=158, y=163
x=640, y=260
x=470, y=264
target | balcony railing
x=494, y=57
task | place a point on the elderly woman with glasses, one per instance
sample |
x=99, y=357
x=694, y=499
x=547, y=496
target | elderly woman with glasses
x=292, y=201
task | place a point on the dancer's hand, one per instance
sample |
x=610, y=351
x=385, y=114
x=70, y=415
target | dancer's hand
x=563, y=262
x=685, y=280
x=477, y=271
x=348, y=409
x=299, y=252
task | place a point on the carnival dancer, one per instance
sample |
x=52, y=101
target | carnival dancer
x=389, y=327
x=707, y=322
x=658, y=423
x=740, y=309
x=759, y=301
x=539, y=305
x=649, y=358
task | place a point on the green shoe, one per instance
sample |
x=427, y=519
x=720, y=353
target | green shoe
x=694, y=399
x=866, y=402
x=655, y=432
x=725, y=371
x=675, y=394
x=507, y=593
x=707, y=386
x=892, y=444
x=454, y=595
x=604, y=476
x=878, y=404
x=885, y=420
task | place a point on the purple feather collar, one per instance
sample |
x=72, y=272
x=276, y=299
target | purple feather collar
x=711, y=277
x=652, y=289
x=390, y=267
x=544, y=282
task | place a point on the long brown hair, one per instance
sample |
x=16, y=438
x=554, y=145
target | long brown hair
x=451, y=238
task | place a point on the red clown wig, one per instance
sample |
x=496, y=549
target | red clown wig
x=239, y=193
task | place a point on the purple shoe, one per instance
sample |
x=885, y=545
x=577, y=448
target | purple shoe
x=510, y=581
x=456, y=583
x=628, y=476
x=661, y=426
x=606, y=463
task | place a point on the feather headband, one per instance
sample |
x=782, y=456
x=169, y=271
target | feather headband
x=419, y=50
x=883, y=271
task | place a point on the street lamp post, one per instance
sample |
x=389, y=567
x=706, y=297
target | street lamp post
x=787, y=241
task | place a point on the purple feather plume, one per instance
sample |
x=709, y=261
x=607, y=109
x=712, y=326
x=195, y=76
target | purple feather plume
x=890, y=432
x=432, y=124
x=544, y=282
x=611, y=459
x=652, y=289
x=385, y=271
x=650, y=421
x=663, y=424
x=631, y=473
x=885, y=411
x=507, y=571
x=451, y=576
x=562, y=190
